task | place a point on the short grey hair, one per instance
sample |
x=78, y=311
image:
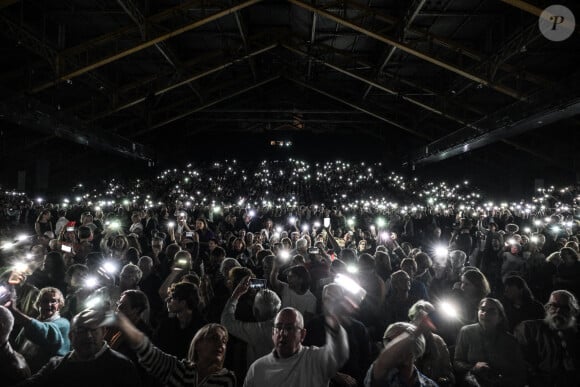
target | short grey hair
x=266, y=305
x=132, y=270
x=6, y=324
x=228, y=263
x=302, y=243
x=299, y=317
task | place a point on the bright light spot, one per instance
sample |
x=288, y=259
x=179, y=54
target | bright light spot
x=449, y=310
x=91, y=282
x=284, y=255
x=441, y=251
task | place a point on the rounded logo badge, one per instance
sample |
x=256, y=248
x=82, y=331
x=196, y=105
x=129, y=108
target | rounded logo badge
x=557, y=23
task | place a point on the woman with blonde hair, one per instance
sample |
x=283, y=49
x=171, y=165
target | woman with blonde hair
x=204, y=363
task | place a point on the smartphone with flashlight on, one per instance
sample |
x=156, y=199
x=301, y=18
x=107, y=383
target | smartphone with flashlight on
x=257, y=283
x=5, y=294
x=326, y=222
x=313, y=250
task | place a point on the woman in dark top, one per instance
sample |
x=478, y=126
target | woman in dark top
x=519, y=302
x=43, y=223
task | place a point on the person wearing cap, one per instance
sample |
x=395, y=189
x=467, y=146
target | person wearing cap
x=90, y=363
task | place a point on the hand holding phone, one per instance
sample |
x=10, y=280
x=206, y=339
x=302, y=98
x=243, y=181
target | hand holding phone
x=257, y=283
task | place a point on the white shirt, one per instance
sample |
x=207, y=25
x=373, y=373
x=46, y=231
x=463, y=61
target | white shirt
x=303, y=302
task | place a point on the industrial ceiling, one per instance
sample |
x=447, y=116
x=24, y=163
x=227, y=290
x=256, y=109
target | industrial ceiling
x=433, y=79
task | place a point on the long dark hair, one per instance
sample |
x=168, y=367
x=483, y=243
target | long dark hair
x=521, y=284
x=503, y=323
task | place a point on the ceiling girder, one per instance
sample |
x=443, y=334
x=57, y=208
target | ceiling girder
x=511, y=47
x=449, y=44
x=413, y=10
x=30, y=113
x=141, y=46
x=41, y=48
x=204, y=106
x=241, y=28
x=137, y=16
x=187, y=80
x=408, y=49
x=533, y=121
x=7, y=3
x=359, y=108
x=379, y=86
x=532, y=9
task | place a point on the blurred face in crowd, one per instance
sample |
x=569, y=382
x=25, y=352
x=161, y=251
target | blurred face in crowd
x=174, y=305
x=49, y=305
x=294, y=282
x=211, y=349
x=558, y=312
x=512, y=293
x=87, y=340
x=488, y=314
x=467, y=287
x=211, y=245
x=401, y=281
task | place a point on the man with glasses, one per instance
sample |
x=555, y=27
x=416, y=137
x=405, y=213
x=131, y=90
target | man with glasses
x=551, y=346
x=290, y=363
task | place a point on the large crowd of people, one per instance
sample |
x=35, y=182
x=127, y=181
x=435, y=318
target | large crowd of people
x=289, y=273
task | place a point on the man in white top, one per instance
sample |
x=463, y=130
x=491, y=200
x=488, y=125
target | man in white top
x=257, y=334
x=290, y=363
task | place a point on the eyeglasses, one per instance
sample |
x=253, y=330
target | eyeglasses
x=553, y=305
x=288, y=328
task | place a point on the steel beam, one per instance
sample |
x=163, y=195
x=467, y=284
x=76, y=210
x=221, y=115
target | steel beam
x=30, y=113
x=7, y=3
x=532, y=9
x=141, y=46
x=408, y=49
x=379, y=86
x=245, y=42
x=360, y=108
x=137, y=16
x=449, y=44
x=204, y=106
x=311, y=42
x=502, y=132
x=185, y=81
x=412, y=12
x=42, y=49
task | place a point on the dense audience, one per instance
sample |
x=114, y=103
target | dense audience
x=289, y=273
